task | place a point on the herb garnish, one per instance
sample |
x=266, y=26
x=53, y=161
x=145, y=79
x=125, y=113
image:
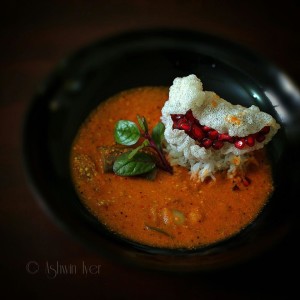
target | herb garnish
x=137, y=162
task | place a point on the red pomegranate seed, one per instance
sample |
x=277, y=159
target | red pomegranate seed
x=240, y=144
x=225, y=137
x=208, y=136
x=176, y=117
x=265, y=130
x=189, y=115
x=213, y=134
x=197, y=123
x=206, y=128
x=260, y=137
x=250, y=140
x=197, y=132
x=217, y=145
x=185, y=126
x=206, y=143
x=176, y=124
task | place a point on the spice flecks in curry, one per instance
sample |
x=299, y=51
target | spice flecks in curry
x=172, y=211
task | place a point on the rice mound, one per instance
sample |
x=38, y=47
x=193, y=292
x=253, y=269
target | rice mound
x=211, y=110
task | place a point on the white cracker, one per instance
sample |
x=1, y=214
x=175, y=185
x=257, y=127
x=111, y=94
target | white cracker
x=211, y=110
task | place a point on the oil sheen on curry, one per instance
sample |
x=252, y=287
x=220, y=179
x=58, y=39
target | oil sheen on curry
x=219, y=177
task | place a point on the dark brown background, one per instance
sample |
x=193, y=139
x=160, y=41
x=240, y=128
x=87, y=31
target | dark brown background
x=35, y=36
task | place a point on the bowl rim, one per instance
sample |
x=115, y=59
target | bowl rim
x=49, y=83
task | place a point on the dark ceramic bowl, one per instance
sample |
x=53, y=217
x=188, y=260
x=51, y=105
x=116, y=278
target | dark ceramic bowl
x=147, y=58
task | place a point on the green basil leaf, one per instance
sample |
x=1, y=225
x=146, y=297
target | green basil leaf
x=137, y=149
x=143, y=123
x=158, y=134
x=134, y=152
x=141, y=163
x=126, y=133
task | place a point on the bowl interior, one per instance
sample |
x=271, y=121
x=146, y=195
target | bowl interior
x=149, y=58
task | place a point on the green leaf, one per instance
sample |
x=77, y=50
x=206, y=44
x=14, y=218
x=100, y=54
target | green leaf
x=137, y=149
x=126, y=133
x=158, y=134
x=143, y=123
x=141, y=163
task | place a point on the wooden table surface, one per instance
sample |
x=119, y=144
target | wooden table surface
x=35, y=36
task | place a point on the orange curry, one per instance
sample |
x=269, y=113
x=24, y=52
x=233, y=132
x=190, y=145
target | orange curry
x=171, y=211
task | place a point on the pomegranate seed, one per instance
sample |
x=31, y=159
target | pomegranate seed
x=206, y=128
x=176, y=117
x=176, y=124
x=197, y=123
x=225, y=137
x=185, y=126
x=217, y=145
x=197, y=132
x=208, y=136
x=265, y=130
x=250, y=140
x=240, y=144
x=179, y=123
x=260, y=137
x=213, y=134
x=189, y=115
x=206, y=143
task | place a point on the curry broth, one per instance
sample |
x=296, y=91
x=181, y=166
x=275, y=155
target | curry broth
x=172, y=211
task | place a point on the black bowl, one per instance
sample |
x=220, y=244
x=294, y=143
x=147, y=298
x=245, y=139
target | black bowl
x=155, y=58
